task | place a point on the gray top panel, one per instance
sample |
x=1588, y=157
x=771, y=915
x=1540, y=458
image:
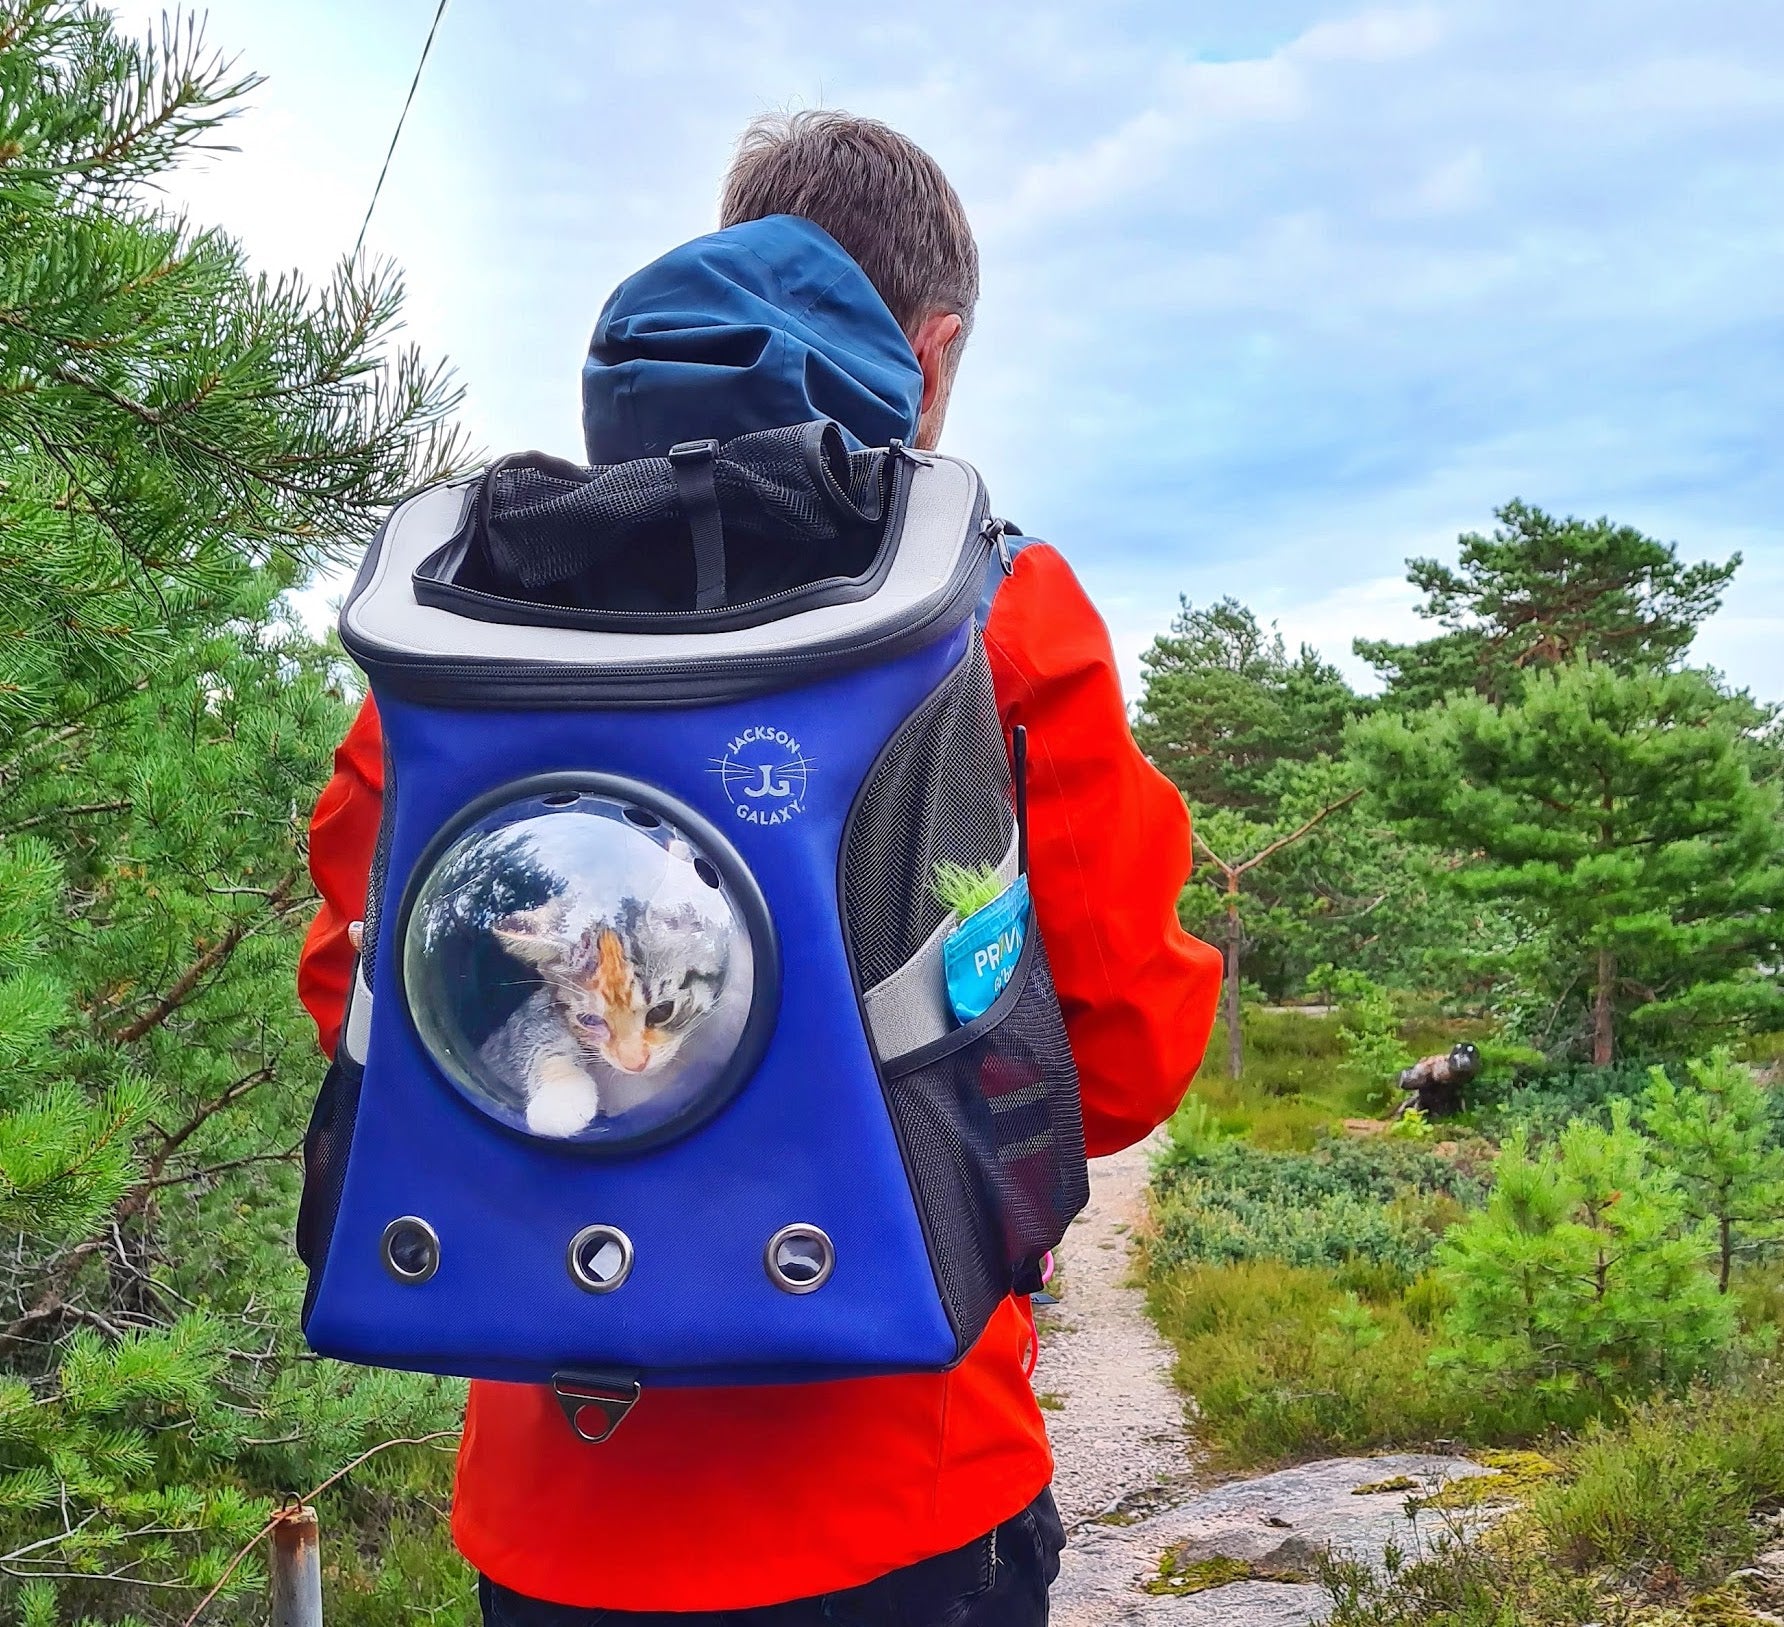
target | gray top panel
x=383, y=617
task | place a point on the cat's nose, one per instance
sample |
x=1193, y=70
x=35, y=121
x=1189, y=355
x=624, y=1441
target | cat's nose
x=633, y=1062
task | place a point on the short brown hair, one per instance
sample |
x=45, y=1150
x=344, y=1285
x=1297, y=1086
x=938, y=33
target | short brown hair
x=883, y=198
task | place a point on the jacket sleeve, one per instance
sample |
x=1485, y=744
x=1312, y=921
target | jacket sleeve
x=343, y=835
x=1109, y=853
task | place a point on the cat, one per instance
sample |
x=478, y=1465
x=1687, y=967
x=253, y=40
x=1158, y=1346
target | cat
x=626, y=990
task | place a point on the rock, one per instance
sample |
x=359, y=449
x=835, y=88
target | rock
x=1294, y=1559
x=1243, y=1554
x=1263, y=1554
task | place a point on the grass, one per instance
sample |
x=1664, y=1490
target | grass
x=1648, y=1522
x=1290, y=1362
x=1295, y=1082
x=1291, y=1269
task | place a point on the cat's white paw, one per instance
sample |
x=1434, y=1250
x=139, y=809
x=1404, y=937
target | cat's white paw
x=564, y=1103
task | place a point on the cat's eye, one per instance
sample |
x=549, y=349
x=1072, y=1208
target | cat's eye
x=660, y=1013
x=589, y=1020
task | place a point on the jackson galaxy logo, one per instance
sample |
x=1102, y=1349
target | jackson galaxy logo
x=764, y=774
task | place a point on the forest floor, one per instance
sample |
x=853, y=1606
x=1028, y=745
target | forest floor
x=1127, y=1482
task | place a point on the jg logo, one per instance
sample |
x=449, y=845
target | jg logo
x=764, y=775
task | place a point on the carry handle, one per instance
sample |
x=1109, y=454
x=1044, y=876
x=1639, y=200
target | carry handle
x=696, y=485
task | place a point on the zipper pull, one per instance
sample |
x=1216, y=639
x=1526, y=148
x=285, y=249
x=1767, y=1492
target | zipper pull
x=996, y=532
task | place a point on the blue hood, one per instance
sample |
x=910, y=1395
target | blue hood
x=758, y=326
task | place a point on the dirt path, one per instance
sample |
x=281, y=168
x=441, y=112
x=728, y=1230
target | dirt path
x=1118, y=1433
x=1126, y=1476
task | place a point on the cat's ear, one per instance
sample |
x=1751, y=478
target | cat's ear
x=532, y=936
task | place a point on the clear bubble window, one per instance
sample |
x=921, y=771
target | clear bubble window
x=586, y=964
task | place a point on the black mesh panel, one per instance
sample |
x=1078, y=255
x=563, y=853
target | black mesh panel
x=994, y=1141
x=940, y=791
x=990, y=1127
x=327, y=1142
x=796, y=506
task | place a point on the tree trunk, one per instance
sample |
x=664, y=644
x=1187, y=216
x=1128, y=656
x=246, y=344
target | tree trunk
x=1727, y=1230
x=1603, y=1030
x=1234, y=1014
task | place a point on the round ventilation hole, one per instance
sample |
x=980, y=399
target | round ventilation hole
x=799, y=1259
x=600, y=1258
x=410, y=1249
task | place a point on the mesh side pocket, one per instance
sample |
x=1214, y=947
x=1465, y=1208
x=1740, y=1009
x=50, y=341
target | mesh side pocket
x=992, y=1133
x=941, y=790
x=326, y=1144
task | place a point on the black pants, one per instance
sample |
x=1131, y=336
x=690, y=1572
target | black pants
x=1000, y=1580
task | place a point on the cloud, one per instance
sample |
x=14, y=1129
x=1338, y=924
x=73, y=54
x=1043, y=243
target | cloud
x=1277, y=292
x=1372, y=36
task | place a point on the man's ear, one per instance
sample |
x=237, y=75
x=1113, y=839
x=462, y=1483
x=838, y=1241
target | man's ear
x=934, y=343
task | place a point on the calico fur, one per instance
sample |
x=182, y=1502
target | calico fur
x=620, y=990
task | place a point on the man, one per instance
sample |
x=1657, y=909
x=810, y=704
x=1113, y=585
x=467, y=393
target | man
x=842, y=285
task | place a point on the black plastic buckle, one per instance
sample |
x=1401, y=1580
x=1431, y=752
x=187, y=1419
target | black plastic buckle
x=596, y=1404
x=694, y=451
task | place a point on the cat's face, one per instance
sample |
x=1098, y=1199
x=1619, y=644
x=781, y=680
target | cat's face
x=630, y=992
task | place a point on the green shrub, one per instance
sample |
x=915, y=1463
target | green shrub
x=1288, y=1362
x=413, y=1574
x=1377, y=1201
x=1545, y=1102
x=1583, y=1271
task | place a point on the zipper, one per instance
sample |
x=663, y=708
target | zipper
x=688, y=682
x=999, y=532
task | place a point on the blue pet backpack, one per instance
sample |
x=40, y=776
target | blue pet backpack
x=651, y=1071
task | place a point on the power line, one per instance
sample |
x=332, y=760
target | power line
x=395, y=134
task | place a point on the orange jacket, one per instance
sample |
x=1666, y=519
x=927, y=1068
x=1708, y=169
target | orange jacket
x=811, y=1488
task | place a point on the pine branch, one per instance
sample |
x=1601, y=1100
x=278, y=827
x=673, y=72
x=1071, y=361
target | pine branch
x=1240, y=868
x=171, y=1143
x=63, y=813
x=188, y=981
x=285, y=1157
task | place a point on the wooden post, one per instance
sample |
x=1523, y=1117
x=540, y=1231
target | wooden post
x=297, y=1570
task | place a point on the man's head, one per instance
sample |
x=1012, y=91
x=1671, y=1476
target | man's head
x=888, y=204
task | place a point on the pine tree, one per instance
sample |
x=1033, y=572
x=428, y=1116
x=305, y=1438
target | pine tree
x=1619, y=814
x=1224, y=705
x=1584, y=1273
x=181, y=442
x=1540, y=593
x=1716, y=1136
x=1254, y=739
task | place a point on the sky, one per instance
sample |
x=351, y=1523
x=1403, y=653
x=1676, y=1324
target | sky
x=1276, y=293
